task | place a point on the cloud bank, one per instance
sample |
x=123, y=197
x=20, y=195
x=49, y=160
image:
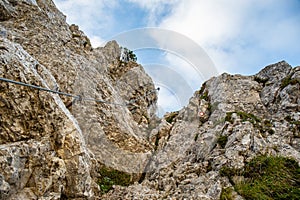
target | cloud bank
x=240, y=36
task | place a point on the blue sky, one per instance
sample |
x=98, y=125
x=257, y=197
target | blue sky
x=240, y=37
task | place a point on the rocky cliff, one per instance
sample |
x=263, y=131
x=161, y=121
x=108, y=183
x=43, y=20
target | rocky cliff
x=53, y=146
x=105, y=142
x=228, y=123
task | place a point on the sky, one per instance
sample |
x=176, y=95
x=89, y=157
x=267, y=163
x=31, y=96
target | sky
x=188, y=41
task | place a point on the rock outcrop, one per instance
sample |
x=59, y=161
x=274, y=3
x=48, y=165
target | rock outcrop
x=227, y=123
x=60, y=147
x=52, y=146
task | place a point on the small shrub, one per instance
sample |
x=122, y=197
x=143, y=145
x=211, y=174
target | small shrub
x=127, y=55
x=228, y=117
x=205, y=96
x=222, y=140
x=271, y=131
x=227, y=171
x=289, y=81
x=248, y=117
x=285, y=82
x=110, y=177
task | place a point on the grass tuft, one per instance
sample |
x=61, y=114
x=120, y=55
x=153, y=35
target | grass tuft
x=267, y=177
x=222, y=140
x=226, y=194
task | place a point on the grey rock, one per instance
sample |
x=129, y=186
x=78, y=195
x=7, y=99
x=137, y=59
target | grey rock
x=54, y=147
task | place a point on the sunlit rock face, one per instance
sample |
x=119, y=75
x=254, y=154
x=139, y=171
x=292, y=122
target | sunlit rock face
x=228, y=122
x=55, y=146
x=52, y=146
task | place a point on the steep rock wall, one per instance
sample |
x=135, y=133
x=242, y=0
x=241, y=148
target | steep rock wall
x=228, y=122
x=52, y=146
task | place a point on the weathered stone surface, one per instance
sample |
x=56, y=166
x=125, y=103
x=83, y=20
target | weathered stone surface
x=241, y=117
x=54, y=146
x=62, y=141
x=39, y=136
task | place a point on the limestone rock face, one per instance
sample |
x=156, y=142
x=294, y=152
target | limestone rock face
x=56, y=146
x=257, y=115
x=52, y=146
x=43, y=152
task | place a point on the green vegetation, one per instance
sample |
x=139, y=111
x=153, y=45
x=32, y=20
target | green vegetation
x=289, y=80
x=110, y=177
x=132, y=56
x=128, y=55
x=226, y=194
x=266, y=177
x=244, y=117
x=205, y=96
x=228, y=117
x=263, y=126
x=222, y=140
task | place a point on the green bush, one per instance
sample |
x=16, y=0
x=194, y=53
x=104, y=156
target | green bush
x=205, y=96
x=289, y=80
x=110, y=177
x=128, y=55
x=222, y=140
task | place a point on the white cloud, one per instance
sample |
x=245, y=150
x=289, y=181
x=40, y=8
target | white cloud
x=238, y=33
x=206, y=21
x=97, y=41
